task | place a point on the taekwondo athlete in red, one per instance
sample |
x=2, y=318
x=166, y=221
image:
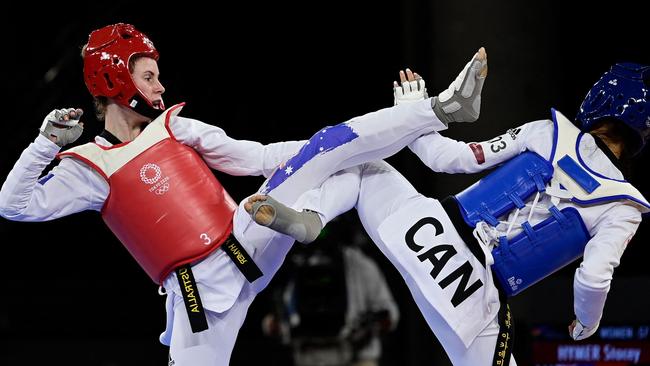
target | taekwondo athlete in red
x=121, y=72
x=163, y=167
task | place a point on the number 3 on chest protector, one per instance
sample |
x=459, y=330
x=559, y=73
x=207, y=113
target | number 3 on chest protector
x=206, y=239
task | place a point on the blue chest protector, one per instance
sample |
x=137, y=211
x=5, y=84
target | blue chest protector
x=542, y=249
x=537, y=251
x=504, y=189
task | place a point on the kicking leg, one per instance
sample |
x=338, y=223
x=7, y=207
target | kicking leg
x=377, y=135
x=304, y=226
x=382, y=192
x=211, y=347
x=336, y=195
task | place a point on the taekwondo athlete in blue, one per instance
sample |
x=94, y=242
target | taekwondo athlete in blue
x=558, y=194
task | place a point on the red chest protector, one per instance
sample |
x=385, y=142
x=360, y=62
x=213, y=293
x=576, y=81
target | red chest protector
x=164, y=205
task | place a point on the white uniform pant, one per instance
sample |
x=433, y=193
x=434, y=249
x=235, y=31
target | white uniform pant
x=378, y=191
x=380, y=134
x=214, y=345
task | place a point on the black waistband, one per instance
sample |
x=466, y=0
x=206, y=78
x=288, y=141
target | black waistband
x=506, y=337
x=450, y=205
x=190, y=291
x=241, y=258
x=191, y=298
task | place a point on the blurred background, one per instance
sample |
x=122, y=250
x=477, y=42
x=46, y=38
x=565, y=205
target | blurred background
x=271, y=72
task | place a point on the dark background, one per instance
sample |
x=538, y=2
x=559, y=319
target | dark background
x=72, y=295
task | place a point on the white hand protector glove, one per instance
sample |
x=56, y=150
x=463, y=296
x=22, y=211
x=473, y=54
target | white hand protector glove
x=461, y=102
x=62, y=126
x=581, y=331
x=412, y=88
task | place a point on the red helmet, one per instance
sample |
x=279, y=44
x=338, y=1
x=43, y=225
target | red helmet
x=106, y=62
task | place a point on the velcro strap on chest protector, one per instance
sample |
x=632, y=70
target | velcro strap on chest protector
x=504, y=189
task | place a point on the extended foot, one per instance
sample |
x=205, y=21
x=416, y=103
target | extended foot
x=461, y=102
x=303, y=226
x=261, y=213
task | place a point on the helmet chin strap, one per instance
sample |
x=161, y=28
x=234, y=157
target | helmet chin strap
x=140, y=105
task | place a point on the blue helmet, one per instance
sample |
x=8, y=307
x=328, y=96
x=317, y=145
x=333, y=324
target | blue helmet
x=622, y=94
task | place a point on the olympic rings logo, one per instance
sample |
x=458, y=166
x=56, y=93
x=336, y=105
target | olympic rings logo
x=145, y=169
x=159, y=186
x=162, y=189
